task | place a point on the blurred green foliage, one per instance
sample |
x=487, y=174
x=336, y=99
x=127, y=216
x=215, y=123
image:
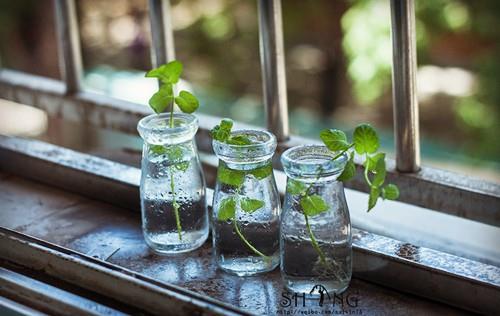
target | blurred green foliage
x=473, y=26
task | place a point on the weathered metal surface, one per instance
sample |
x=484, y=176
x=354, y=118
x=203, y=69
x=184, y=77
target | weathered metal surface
x=107, y=279
x=431, y=188
x=404, y=89
x=272, y=60
x=474, y=283
x=48, y=298
x=70, y=58
x=261, y=295
x=10, y=307
x=67, y=169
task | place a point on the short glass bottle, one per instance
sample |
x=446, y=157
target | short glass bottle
x=246, y=206
x=173, y=197
x=316, y=249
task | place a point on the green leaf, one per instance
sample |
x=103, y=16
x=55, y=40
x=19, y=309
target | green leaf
x=334, y=139
x=313, y=205
x=295, y=187
x=227, y=209
x=239, y=140
x=262, y=172
x=390, y=192
x=365, y=139
x=157, y=149
x=222, y=131
x=251, y=205
x=372, y=200
x=187, y=102
x=349, y=170
x=161, y=99
x=174, y=153
x=230, y=177
x=182, y=166
x=168, y=73
x=380, y=172
x=371, y=161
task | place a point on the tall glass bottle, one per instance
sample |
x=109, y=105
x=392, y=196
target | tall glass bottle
x=246, y=207
x=315, y=238
x=173, y=197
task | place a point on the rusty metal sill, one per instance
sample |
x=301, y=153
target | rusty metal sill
x=405, y=267
x=466, y=197
x=118, y=283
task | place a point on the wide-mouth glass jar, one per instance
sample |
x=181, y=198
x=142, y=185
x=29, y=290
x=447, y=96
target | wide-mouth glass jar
x=246, y=206
x=315, y=234
x=173, y=197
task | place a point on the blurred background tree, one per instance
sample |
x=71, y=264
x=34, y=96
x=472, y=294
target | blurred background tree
x=338, y=58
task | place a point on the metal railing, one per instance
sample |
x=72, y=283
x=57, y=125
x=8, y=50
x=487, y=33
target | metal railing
x=273, y=66
x=436, y=189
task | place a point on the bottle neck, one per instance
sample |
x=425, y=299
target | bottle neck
x=246, y=164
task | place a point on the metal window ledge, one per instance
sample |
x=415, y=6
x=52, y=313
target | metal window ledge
x=406, y=267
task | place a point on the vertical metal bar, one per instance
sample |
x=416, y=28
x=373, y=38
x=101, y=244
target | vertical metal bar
x=405, y=105
x=70, y=58
x=272, y=58
x=161, y=32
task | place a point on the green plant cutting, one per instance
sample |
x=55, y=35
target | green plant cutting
x=235, y=179
x=365, y=143
x=160, y=101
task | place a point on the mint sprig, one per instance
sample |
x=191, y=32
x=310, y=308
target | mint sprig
x=169, y=75
x=235, y=179
x=365, y=143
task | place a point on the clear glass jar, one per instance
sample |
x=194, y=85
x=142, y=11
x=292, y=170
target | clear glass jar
x=173, y=197
x=246, y=207
x=316, y=249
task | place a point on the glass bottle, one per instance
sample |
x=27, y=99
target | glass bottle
x=246, y=207
x=316, y=249
x=173, y=197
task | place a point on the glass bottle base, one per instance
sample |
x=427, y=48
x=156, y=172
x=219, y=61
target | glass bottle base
x=309, y=285
x=169, y=243
x=248, y=266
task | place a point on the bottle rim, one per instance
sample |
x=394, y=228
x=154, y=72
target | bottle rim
x=155, y=128
x=313, y=161
x=265, y=148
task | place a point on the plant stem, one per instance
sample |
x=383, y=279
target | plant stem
x=314, y=242
x=175, y=205
x=343, y=151
x=367, y=179
x=172, y=116
x=249, y=245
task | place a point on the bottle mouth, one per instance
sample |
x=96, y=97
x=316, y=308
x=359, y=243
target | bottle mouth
x=156, y=129
x=313, y=161
x=262, y=147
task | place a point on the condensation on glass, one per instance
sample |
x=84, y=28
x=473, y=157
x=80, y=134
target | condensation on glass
x=173, y=197
x=315, y=249
x=247, y=243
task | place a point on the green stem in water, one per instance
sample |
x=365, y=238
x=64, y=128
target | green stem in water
x=249, y=245
x=175, y=204
x=314, y=243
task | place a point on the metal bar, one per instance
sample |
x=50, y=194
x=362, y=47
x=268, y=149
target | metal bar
x=107, y=279
x=161, y=32
x=448, y=278
x=435, y=189
x=405, y=104
x=45, y=297
x=70, y=59
x=272, y=59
